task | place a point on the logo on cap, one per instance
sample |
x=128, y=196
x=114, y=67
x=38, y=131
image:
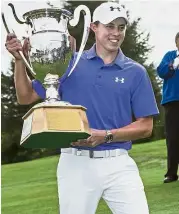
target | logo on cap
x=113, y=8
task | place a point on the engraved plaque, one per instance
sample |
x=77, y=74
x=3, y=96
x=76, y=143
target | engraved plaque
x=27, y=127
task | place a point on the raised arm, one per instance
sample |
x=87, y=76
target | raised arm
x=24, y=90
x=166, y=70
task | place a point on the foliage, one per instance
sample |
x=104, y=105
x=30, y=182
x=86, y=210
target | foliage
x=11, y=126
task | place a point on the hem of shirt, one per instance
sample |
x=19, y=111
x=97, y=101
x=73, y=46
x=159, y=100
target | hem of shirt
x=108, y=146
x=105, y=149
x=169, y=100
x=148, y=115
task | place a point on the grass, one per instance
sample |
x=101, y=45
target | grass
x=30, y=187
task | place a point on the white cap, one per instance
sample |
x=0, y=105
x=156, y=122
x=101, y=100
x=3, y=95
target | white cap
x=108, y=11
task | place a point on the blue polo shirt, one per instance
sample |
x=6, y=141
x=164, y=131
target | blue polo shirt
x=111, y=93
x=170, y=77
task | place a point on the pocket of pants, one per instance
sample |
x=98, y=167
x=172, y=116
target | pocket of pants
x=131, y=164
x=134, y=171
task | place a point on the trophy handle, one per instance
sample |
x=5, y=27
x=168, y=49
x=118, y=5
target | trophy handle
x=8, y=31
x=73, y=22
x=27, y=21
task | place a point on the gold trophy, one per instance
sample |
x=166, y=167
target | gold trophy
x=52, y=123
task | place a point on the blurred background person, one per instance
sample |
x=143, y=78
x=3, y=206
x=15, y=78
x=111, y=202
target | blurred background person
x=168, y=70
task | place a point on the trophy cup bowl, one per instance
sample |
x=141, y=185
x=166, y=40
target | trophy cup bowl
x=52, y=123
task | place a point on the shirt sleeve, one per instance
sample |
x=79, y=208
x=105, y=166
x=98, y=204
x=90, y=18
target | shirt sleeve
x=165, y=69
x=39, y=89
x=143, y=98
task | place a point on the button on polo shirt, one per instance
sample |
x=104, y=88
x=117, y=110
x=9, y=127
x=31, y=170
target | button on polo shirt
x=111, y=93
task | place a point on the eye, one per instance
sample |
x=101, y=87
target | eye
x=122, y=27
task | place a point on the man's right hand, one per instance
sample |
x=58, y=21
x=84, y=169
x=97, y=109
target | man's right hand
x=13, y=45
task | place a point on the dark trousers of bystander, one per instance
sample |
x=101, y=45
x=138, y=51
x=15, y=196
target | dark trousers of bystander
x=172, y=137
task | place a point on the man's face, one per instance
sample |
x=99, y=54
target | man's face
x=177, y=43
x=110, y=36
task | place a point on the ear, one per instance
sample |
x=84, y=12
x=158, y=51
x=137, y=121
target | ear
x=93, y=27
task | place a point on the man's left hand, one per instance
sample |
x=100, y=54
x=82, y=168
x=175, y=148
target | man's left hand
x=176, y=63
x=96, y=138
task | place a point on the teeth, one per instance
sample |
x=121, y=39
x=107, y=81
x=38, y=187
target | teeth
x=114, y=40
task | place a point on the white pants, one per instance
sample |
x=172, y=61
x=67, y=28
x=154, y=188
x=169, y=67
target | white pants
x=82, y=181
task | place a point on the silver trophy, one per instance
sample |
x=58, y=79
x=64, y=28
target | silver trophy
x=52, y=123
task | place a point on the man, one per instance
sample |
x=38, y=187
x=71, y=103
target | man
x=168, y=70
x=113, y=88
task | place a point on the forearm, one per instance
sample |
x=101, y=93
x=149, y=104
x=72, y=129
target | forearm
x=134, y=131
x=165, y=70
x=142, y=128
x=23, y=83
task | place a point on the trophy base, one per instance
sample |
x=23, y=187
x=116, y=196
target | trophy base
x=53, y=140
x=50, y=125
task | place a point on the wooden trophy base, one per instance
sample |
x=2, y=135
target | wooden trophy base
x=54, y=126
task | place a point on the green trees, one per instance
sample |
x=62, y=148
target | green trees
x=11, y=125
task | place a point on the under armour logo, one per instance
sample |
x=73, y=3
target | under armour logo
x=113, y=8
x=117, y=79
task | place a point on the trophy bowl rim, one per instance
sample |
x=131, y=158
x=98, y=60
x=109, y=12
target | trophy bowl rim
x=43, y=10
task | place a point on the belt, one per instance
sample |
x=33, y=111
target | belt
x=95, y=154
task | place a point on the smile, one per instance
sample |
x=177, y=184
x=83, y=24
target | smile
x=114, y=41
